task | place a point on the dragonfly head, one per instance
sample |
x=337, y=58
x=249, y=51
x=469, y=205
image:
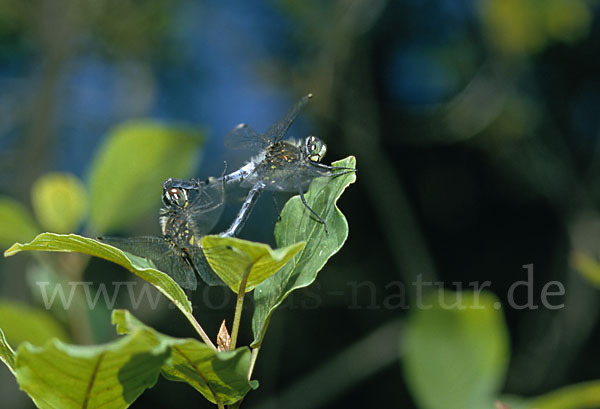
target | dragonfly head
x=314, y=148
x=175, y=197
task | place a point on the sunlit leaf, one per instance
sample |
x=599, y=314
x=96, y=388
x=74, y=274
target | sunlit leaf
x=7, y=355
x=59, y=201
x=137, y=265
x=297, y=225
x=215, y=374
x=17, y=222
x=455, y=352
x=232, y=258
x=587, y=267
x=126, y=175
x=21, y=323
x=109, y=376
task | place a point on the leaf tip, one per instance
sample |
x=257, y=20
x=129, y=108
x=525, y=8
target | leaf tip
x=14, y=249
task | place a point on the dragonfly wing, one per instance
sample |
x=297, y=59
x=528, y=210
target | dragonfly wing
x=202, y=267
x=205, y=209
x=289, y=179
x=164, y=256
x=243, y=136
x=278, y=129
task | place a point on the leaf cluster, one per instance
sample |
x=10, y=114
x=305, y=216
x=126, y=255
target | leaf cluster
x=61, y=375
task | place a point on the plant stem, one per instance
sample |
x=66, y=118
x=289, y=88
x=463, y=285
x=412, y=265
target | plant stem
x=253, y=361
x=238, y=308
x=200, y=331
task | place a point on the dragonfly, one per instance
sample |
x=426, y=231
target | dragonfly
x=277, y=165
x=189, y=212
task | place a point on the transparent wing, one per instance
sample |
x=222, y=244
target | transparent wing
x=243, y=136
x=161, y=253
x=288, y=179
x=205, y=208
x=202, y=267
x=278, y=129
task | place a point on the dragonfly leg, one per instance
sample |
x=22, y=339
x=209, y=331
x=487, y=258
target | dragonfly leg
x=245, y=211
x=333, y=168
x=319, y=218
x=182, y=184
x=277, y=209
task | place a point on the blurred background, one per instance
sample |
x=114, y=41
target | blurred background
x=476, y=131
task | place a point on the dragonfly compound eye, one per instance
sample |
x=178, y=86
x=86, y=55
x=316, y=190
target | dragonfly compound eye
x=175, y=197
x=315, y=148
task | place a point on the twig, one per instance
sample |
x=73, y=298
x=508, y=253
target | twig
x=200, y=331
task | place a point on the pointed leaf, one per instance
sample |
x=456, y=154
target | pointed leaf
x=59, y=201
x=456, y=352
x=113, y=375
x=139, y=266
x=17, y=222
x=135, y=159
x=231, y=258
x=296, y=225
x=221, y=376
x=7, y=355
x=22, y=323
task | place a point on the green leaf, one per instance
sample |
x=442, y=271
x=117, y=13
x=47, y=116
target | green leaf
x=22, y=323
x=17, y=222
x=7, y=355
x=231, y=258
x=586, y=266
x=126, y=175
x=583, y=395
x=139, y=266
x=221, y=376
x=514, y=402
x=297, y=225
x=109, y=376
x=59, y=201
x=456, y=351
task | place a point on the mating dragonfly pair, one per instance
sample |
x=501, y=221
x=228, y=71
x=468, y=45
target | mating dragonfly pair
x=192, y=207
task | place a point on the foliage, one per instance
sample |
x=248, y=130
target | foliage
x=219, y=376
x=23, y=323
x=59, y=201
x=468, y=368
x=240, y=261
x=113, y=375
x=526, y=27
x=18, y=224
x=295, y=225
x=140, y=266
x=122, y=189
